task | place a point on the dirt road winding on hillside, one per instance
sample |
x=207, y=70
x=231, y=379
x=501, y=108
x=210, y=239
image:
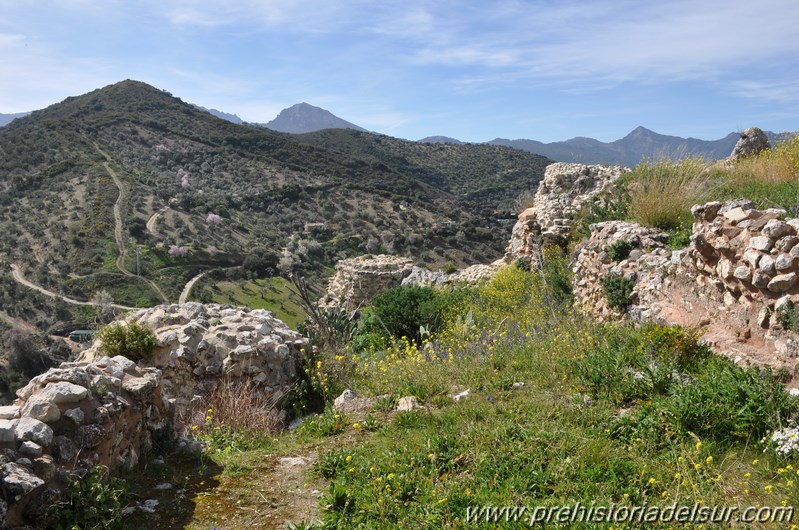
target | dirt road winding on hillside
x=16, y=273
x=151, y=222
x=119, y=233
x=187, y=289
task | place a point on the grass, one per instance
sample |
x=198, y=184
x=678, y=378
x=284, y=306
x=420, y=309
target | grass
x=607, y=414
x=272, y=294
x=662, y=192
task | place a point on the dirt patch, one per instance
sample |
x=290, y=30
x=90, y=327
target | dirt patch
x=731, y=330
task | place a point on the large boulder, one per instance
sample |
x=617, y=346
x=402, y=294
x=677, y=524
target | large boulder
x=752, y=142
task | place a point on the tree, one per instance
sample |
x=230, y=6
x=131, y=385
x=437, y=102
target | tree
x=103, y=302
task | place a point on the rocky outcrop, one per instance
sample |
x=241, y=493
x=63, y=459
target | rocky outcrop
x=752, y=142
x=70, y=419
x=105, y=411
x=629, y=251
x=565, y=190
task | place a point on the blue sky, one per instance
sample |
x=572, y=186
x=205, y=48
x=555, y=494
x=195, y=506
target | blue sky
x=474, y=70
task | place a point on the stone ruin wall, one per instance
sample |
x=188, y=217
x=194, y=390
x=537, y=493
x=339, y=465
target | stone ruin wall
x=104, y=411
x=562, y=194
x=739, y=271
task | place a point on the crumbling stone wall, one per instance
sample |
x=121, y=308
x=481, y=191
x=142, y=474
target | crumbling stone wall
x=73, y=418
x=750, y=255
x=358, y=280
x=646, y=267
x=564, y=191
x=104, y=411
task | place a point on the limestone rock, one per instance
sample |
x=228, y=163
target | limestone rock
x=9, y=412
x=761, y=243
x=18, y=481
x=34, y=430
x=41, y=408
x=407, y=403
x=782, y=282
x=753, y=140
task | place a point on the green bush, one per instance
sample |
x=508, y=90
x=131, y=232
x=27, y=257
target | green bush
x=95, y=501
x=619, y=250
x=132, y=340
x=788, y=317
x=731, y=404
x=618, y=291
x=674, y=344
x=402, y=311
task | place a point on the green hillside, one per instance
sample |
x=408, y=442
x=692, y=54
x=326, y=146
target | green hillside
x=130, y=190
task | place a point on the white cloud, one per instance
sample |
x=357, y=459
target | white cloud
x=617, y=41
x=774, y=91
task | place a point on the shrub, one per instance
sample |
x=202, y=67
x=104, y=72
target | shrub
x=788, y=317
x=730, y=404
x=556, y=275
x=132, y=340
x=674, y=344
x=618, y=291
x=96, y=501
x=402, y=311
x=619, y=250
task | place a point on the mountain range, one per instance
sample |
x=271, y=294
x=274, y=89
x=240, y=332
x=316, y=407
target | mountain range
x=130, y=190
x=640, y=144
x=5, y=119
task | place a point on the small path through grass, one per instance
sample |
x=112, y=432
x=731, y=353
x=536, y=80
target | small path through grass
x=152, y=220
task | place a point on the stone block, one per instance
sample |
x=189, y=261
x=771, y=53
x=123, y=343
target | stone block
x=761, y=243
x=767, y=265
x=784, y=262
x=782, y=282
x=776, y=229
x=743, y=273
x=752, y=257
x=34, y=430
x=785, y=244
x=64, y=392
x=735, y=215
x=760, y=279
